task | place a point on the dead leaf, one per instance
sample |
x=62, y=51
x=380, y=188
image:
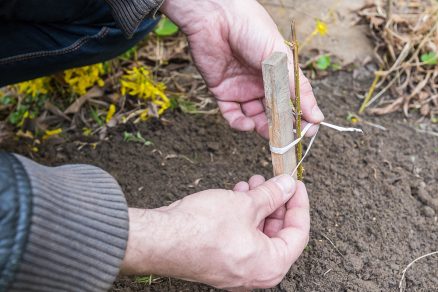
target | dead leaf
x=77, y=104
x=55, y=110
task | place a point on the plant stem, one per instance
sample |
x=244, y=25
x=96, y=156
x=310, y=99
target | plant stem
x=297, y=100
x=366, y=101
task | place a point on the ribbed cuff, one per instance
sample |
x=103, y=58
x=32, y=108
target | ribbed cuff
x=78, y=233
x=130, y=13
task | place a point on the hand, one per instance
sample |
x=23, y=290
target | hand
x=229, y=39
x=215, y=237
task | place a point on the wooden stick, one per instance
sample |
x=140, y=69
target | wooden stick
x=298, y=112
x=279, y=111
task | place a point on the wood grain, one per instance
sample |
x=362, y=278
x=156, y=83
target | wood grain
x=279, y=111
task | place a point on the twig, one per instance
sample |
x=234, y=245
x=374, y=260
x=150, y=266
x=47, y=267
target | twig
x=381, y=92
x=297, y=99
x=331, y=242
x=369, y=94
x=427, y=132
x=410, y=264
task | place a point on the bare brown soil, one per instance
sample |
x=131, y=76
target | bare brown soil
x=374, y=196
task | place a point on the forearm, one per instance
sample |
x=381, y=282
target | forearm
x=157, y=243
x=75, y=229
x=144, y=226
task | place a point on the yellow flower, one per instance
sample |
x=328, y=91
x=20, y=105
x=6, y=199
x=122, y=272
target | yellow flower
x=86, y=131
x=81, y=79
x=110, y=114
x=50, y=133
x=34, y=87
x=25, y=116
x=138, y=82
x=353, y=118
x=321, y=28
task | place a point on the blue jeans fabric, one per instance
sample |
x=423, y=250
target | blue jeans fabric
x=41, y=37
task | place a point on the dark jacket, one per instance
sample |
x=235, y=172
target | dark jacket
x=62, y=228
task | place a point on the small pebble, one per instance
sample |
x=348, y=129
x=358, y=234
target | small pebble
x=353, y=263
x=214, y=146
x=395, y=267
x=413, y=245
x=428, y=211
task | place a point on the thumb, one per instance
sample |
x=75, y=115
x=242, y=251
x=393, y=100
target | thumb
x=272, y=194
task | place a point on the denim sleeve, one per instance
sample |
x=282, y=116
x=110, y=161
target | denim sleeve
x=70, y=229
x=130, y=13
x=7, y=8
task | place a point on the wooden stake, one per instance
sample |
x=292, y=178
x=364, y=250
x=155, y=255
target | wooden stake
x=279, y=111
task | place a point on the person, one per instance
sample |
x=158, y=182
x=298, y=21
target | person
x=69, y=227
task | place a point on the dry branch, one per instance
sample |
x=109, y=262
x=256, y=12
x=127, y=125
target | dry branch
x=404, y=31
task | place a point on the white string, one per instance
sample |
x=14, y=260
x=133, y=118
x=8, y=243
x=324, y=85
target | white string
x=305, y=154
x=283, y=150
x=341, y=129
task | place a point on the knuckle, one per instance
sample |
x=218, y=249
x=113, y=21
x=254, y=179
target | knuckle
x=268, y=199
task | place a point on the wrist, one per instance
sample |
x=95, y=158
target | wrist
x=191, y=16
x=145, y=247
x=158, y=243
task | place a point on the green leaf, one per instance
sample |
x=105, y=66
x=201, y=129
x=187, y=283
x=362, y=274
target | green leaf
x=137, y=138
x=323, y=62
x=166, y=28
x=96, y=117
x=146, y=280
x=173, y=103
x=336, y=66
x=15, y=118
x=129, y=54
x=430, y=58
x=7, y=100
x=187, y=106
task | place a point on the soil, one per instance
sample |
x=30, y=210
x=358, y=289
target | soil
x=374, y=197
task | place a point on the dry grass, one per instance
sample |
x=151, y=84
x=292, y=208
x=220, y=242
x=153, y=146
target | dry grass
x=404, y=32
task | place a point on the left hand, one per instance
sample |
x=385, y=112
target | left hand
x=229, y=39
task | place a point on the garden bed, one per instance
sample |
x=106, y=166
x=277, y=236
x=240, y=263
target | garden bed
x=373, y=196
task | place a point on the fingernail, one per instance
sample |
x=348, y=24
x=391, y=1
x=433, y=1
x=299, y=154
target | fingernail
x=317, y=113
x=286, y=183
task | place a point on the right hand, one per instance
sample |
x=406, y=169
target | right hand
x=228, y=40
x=227, y=239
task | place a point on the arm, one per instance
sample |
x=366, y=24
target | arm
x=62, y=228
x=229, y=39
x=66, y=228
x=247, y=238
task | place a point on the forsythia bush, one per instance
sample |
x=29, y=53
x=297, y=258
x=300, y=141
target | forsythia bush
x=26, y=100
